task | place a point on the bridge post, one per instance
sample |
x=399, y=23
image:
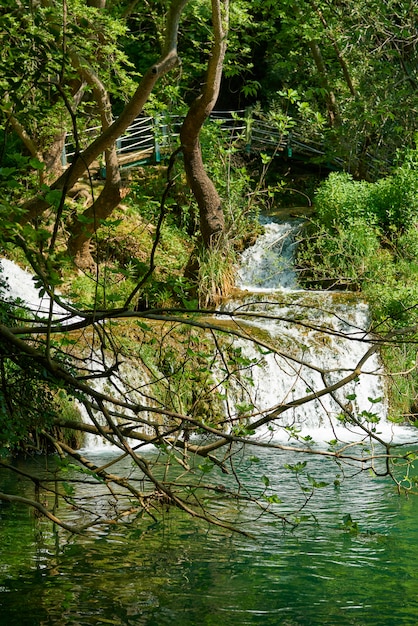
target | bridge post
x=248, y=129
x=289, y=145
x=157, y=150
x=64, y=161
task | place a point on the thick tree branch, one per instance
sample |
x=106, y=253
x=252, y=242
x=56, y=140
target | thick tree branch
x=7, y=497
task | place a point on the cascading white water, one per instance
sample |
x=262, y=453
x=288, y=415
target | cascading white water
x=268, y=264
x=322, y=335
x=21, y=288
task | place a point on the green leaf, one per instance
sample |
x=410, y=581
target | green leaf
x=315, y=483
x=206, y=467
x=36, y=164
x=297, y=467
x=375, y=400
x=254, y=459
x=273, y=499
x=54, y=197
x=5, y=172
x=109, y=222
x=69, y=489
x=350, y=525
x=143, y=325
x=83, y=219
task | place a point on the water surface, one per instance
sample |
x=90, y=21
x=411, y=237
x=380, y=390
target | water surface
x=184, y=573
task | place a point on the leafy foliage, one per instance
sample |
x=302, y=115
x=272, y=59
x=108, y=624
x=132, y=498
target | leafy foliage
x=365, y=237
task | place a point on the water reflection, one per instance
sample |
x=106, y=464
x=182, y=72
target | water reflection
x=183, y=573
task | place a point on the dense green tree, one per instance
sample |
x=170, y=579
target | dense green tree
x=81, y=76
x=354, y=63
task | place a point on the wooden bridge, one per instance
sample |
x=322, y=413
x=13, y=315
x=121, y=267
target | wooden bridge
x=151, y=139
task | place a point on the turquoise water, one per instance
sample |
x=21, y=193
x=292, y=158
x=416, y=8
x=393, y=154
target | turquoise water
x=184, y=573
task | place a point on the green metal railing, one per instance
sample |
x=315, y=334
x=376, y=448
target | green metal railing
x=150, y=139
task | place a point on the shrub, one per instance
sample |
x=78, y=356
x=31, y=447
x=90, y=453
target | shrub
x=341, y=201
x=394, y=201
x=341, y=255
x=391, y=203
x=407, y=245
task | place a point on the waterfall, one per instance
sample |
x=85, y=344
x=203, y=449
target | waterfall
x=20, y=288
x=268, y=264
x=321, y=337
x=318, y=338
x=128, y=383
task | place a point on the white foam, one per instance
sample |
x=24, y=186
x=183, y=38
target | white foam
x=21, y=286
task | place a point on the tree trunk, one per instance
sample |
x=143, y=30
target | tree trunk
x=212, y=222
x=82, y=230
x=331, y=102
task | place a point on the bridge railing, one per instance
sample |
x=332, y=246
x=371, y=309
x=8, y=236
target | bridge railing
x=139, y=136
x=149, y=138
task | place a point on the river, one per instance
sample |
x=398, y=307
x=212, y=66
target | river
x=183, y=573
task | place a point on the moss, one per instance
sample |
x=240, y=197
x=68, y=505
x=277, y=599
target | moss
x=67, y=409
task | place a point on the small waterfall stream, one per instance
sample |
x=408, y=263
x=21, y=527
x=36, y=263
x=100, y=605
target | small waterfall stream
x=321, y=337
x=268, y=264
